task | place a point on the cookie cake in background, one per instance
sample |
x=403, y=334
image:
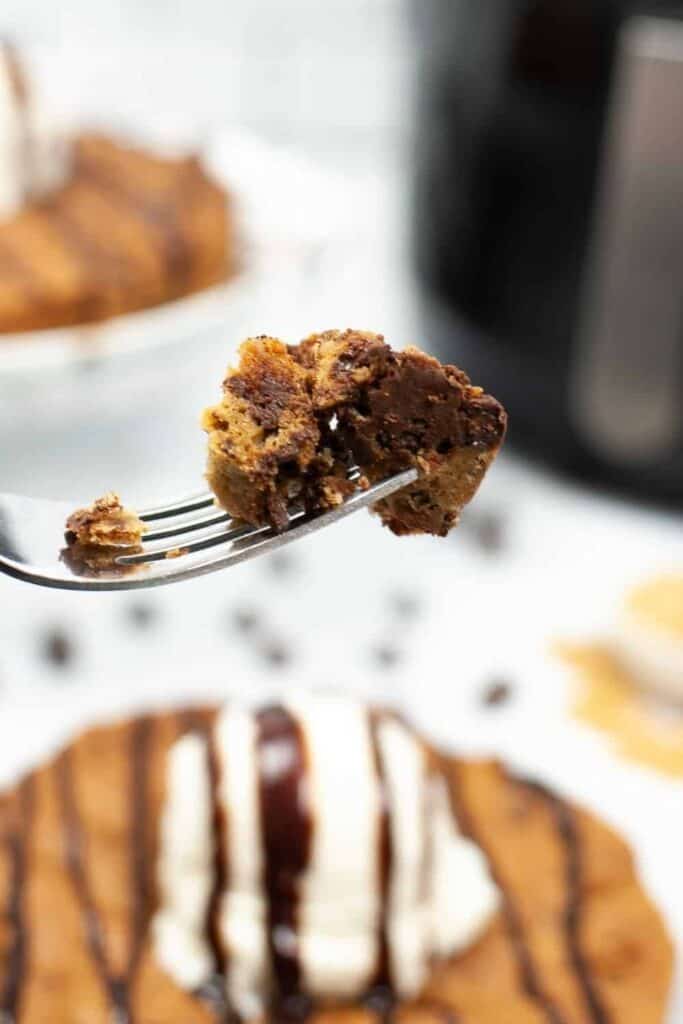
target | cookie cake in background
x=93, y=226
x=314, y=859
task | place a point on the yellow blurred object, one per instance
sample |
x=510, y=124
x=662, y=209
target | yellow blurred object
x=659, y=603
x=610, y=700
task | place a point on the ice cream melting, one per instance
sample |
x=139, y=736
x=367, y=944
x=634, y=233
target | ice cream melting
x=309, y=852
x=33, y=150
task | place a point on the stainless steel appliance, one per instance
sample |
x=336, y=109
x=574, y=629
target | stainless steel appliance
x=549, y=222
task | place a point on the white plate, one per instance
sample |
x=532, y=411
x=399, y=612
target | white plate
x=33, y=352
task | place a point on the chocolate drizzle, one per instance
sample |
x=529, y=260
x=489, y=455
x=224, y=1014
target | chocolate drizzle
x=220, y=859
x=567, y=829
x=527, y=970
x=17, y=842
x=385, y=856
x=565, y=824
x=118, y=987
x=286, y=828
x=141, y=738
x=213, y=990
x=162, y=218
x=94, y=256
x=287, y=824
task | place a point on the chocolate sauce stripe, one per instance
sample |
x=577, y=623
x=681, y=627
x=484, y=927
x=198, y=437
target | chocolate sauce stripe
x=17, y=958
x=521, y=952
x=88, y=250
x=118, y=987
x=190, y=720
x=286, y=835
x=142, y=737
x=160, y=216
x=567, y=829
x=212, y=992
x=221, y=866
x=382, y=976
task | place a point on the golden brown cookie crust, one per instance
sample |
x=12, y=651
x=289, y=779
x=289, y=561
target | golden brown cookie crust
x=263, y=434
x=577, y=942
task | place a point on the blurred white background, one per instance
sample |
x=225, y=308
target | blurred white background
x=332, y=77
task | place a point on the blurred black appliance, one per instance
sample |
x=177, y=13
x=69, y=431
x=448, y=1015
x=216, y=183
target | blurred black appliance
x=549, y=222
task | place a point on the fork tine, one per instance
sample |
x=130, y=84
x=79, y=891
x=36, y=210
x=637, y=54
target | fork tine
x=249, y=538
x=190, y=527
x=169, y=551
x=178, y=508
x=194, y=503
x=305, y=523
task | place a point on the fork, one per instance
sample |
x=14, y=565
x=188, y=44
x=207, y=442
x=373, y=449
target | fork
x=187, y=538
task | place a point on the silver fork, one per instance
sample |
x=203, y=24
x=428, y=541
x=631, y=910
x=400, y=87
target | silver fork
x=192, y=538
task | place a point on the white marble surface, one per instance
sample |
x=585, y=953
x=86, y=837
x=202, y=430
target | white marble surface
x=568, y=554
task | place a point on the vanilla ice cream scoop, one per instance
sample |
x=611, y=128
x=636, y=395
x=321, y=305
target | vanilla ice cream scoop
x=33, y=148
x=648, y=637
x=311, y=848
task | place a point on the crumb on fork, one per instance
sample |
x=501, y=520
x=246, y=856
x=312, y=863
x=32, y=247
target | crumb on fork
x=105, y=523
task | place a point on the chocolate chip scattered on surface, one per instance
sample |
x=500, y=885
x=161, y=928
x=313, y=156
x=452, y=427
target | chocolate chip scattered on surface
x=497, y=693
x=276, y=653
x=142, y=614
x=387, y=656
x=405, y=606
x=246, y=620
x=58, y=648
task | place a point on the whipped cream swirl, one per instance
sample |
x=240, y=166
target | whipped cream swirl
x=311, y=849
